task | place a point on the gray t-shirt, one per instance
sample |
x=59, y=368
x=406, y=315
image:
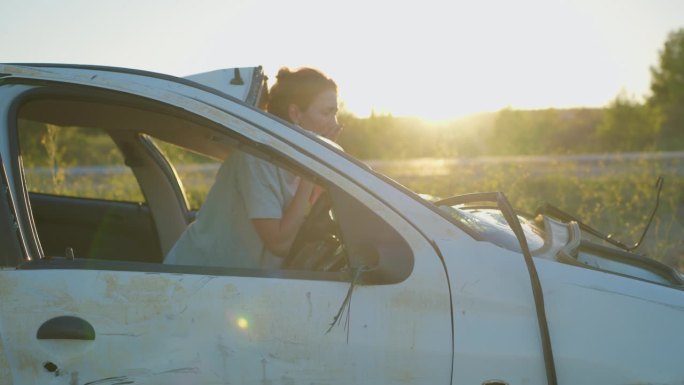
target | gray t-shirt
x=223, y=234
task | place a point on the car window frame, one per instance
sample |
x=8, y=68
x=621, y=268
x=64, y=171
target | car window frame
x=172, y=168
x=265, y=144
x=12, y=251
x=34, y=250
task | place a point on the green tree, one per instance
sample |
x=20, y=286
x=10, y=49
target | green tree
x=574, y=131
x=628, y=125
x=549, y=131
x=667, y=86
x=515, y=133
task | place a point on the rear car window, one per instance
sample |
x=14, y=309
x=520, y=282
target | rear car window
x=76, y=162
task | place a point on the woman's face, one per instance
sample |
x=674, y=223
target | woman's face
x=321, y=115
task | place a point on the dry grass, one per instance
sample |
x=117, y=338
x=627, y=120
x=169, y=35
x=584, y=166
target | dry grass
x=616, y=198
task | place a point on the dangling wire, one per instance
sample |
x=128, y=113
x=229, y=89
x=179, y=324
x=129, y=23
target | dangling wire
x=345, y=309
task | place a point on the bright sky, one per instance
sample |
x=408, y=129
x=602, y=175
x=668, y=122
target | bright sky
x=428, y=58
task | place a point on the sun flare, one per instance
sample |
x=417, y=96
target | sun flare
x=242, y=323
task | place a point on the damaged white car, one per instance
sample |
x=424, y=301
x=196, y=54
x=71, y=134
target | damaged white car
x=410, y=292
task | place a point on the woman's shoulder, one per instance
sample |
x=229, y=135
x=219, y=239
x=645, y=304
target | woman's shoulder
x=254, y=166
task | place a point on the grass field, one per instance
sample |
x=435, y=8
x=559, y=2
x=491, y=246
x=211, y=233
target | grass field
x=615, y=196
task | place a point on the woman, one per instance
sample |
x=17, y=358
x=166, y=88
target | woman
x=255, y=209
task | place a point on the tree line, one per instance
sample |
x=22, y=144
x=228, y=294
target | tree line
x=626, y=124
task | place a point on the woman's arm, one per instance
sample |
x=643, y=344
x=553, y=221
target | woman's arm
x=278, y=234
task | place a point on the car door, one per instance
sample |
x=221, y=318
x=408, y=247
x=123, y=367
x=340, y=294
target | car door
x=67, y=320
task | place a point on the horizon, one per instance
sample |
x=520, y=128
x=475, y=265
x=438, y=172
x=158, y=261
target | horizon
x=435, y=60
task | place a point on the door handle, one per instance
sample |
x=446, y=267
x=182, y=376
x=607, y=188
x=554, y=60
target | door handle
x=495, y=382
x=66, y=328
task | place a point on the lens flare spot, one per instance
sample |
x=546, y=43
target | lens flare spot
x=242, y=323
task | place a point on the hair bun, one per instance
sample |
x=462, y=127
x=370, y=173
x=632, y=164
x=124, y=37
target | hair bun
x=284, y=73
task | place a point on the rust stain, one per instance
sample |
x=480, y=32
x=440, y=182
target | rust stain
x=74, y=378
x=61, y=299
x=264, y=378
x=230, y=291
x=111, y=284
x=405, y=376
x=111, y=381
x=154, y=295
x=5, y=374
x=181, y=371
x=7, y=285
x=419, y=301
x=27, y=363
